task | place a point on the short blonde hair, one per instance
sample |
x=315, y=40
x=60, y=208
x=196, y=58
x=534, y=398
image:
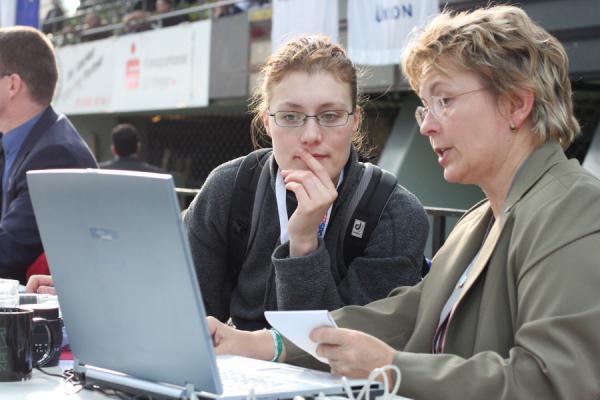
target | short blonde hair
x=310, y=54
x=508, y=51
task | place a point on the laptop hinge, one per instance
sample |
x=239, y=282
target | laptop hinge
x=78, y=367
x=127, y=383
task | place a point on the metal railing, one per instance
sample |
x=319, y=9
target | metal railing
x=440, y=224
x=114, y=25
x=438, y=215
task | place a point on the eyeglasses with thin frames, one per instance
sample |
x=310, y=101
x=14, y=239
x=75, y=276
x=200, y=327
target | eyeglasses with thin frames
x=327, y=119
x=439, y=106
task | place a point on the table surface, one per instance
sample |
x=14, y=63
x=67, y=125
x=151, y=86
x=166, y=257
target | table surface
x=45, y=387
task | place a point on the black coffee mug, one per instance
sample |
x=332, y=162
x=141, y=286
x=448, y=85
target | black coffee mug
x=16, y=344
x=53, y=328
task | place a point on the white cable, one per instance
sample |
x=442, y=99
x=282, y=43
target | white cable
x=387, y=393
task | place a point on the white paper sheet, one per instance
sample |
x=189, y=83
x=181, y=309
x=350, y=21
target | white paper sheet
x=297, y=325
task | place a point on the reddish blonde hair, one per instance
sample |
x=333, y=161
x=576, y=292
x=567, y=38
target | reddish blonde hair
x=310, y=54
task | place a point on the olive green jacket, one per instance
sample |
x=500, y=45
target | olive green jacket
x=527, y=325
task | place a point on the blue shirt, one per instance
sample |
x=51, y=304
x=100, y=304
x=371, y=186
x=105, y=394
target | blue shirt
x=12, y=142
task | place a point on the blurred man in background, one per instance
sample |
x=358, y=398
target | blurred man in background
x=126, y=147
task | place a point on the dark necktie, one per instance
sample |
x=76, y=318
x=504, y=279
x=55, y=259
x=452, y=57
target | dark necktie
x=1, y=171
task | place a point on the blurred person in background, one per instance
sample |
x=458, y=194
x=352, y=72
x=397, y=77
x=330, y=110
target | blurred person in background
x=136, y=18
x=224, y=11
x=55, y=12
x=143, y=5
x=126, y=149
x=164, y=7
x=93, y=21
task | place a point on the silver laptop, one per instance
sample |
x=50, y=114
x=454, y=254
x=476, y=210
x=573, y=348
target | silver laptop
x=129, y=295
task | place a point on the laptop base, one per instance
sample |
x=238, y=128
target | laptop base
x=105, y=379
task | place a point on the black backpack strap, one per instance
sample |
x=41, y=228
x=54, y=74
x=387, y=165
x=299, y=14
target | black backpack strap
x=242, y=210
x=356, y=196
x=373, y=193
x=259, y=195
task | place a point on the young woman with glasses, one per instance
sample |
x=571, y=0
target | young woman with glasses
x=510, y=307
x=308, y=107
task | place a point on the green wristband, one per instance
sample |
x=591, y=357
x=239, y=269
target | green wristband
x=278, y=341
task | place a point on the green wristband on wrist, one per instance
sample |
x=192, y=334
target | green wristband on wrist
x=278, y=341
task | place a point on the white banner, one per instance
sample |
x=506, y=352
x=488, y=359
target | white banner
x=200, y=72
x=155, y=70
x=292, y=18
x=378, y=29
x=8, y=12
x=85, y=78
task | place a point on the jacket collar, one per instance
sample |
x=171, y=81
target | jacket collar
x=530, y=172
x=532, y=169
x=46, y=120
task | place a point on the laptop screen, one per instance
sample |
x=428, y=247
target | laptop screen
x=124, y=274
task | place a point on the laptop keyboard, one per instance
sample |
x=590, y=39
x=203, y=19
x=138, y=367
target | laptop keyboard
x=250, y=379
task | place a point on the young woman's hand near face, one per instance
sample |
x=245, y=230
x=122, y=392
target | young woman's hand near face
x=315, y=192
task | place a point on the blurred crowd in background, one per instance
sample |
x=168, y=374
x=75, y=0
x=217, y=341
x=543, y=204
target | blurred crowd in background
x=98, y=19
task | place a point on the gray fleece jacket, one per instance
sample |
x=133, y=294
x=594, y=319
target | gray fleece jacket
x=270, y=280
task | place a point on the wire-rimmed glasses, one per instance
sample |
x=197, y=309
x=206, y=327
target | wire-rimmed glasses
x=327, y=119
x=438, y=106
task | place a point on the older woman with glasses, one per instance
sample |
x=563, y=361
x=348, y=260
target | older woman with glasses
x=308, y=106
x=510, y=308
